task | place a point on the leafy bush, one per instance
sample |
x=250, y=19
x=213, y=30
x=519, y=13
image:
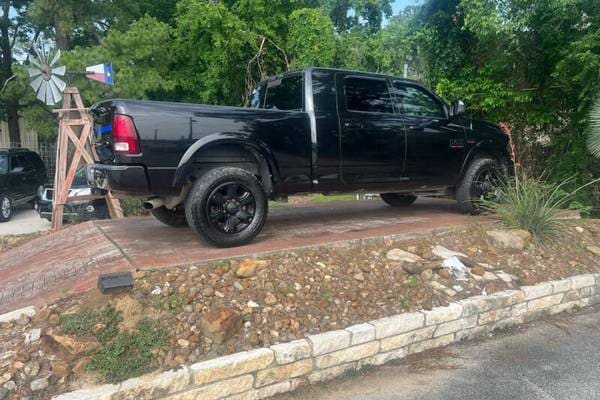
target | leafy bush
x=130, y=354
x=103, y=324
x=594, y=136
x=132, y=207
x=533, y=204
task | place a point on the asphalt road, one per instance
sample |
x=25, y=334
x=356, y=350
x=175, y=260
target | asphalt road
x=555, y=359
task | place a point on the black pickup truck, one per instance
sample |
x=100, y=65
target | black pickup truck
x=316, y=130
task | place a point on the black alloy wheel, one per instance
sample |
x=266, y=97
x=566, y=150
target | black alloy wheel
x=231, y=207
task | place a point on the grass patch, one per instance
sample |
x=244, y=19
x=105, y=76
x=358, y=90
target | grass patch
x=321, y=198
x=173, y=303
x=412, y=282
x=103, y=323
x=130, y=354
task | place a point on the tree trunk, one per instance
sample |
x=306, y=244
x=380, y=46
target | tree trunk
x=12, y=118
x=11, y=104
x=63, y=39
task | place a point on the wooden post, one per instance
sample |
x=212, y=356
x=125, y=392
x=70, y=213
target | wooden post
x=74, y=146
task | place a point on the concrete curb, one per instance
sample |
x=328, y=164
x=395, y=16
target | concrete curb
x=261, y=373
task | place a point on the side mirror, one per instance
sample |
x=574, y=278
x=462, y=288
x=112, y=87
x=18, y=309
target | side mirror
x=457, y=108
x=17, y=170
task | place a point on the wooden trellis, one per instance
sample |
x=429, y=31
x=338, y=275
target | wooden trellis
x=74, y=146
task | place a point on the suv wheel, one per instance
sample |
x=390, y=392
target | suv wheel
x=175, y=217
x=5, y=208
x=227, y=207
x=480, y=182
x=397, y=199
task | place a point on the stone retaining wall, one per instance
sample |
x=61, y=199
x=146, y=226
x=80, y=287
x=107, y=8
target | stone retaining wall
x=261, y=373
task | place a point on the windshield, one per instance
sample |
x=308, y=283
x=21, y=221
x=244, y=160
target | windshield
x=3, y=165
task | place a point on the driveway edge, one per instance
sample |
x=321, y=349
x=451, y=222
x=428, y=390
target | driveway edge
x=264, y=372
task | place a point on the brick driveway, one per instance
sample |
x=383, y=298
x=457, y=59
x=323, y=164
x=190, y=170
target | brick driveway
x=70, y=260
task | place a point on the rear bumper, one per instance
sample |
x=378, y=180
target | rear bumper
x=118, y=178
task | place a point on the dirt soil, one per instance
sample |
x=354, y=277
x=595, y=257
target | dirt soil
x=283, y=297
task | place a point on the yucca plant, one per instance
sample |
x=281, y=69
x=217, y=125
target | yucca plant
x=594, y=135
x=533, y=204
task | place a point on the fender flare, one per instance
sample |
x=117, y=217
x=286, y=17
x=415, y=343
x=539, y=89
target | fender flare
x=242, y=139
x=483, y=147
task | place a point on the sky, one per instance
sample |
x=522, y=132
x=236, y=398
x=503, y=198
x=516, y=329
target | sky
x=400, y=4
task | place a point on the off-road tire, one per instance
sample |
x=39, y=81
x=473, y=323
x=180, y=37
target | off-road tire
x=198, y=199
x=398, y=199
x=3, y=198
x=467, y=201
x=175, y=218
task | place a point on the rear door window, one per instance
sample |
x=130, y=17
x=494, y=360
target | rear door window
x=285, y=94
x=26, y=162
x=367, y=95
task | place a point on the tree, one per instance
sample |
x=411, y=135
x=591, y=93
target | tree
x=13, y=28
x=594, y=135
x=348, y=14
x=311, y=39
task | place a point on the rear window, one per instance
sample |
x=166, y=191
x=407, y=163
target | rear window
x=367, y=95
x=257, y=100
x=285, y=93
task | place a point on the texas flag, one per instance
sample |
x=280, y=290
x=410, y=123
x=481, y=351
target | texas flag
x=101, y=73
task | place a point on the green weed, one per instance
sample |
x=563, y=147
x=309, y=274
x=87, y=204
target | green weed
x=130, y=354
x=103, y=324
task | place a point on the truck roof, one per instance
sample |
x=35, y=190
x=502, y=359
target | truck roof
x=333, y=70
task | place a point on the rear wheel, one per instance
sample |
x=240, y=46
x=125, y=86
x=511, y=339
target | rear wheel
x=227, y=207
x=480, y=182
x=397, y=199
x=5, y=208
x=175, y=217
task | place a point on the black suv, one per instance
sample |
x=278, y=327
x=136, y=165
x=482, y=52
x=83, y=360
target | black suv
x=22, y=178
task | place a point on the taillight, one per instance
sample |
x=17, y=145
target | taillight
x=125, y=139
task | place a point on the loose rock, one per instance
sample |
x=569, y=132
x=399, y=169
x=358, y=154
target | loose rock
x=444, y=253
x=594, y=249
x=220, y=324
x=246, y=268
x=401, y=255
x=39, y=384
x=515, y=239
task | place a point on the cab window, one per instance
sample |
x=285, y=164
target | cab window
x=285, y=94
x=414, y=101
x=367, y=95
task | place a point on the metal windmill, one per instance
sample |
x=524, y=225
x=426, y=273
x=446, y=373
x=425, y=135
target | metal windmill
x=45, y=74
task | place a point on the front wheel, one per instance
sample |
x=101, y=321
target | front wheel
x=227, y=207
x=480, y=182
x=5, y=208
x=397, y=199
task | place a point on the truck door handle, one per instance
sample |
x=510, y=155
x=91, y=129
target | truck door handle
x=353, y=125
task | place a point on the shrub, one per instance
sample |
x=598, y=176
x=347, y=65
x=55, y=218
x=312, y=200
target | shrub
x=532, y=204
x=132, y=207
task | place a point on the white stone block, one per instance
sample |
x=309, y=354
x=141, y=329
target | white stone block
x=398, y=324
x=328, y=342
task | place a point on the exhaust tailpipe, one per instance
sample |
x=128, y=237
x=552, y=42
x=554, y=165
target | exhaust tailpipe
x=151, y=204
